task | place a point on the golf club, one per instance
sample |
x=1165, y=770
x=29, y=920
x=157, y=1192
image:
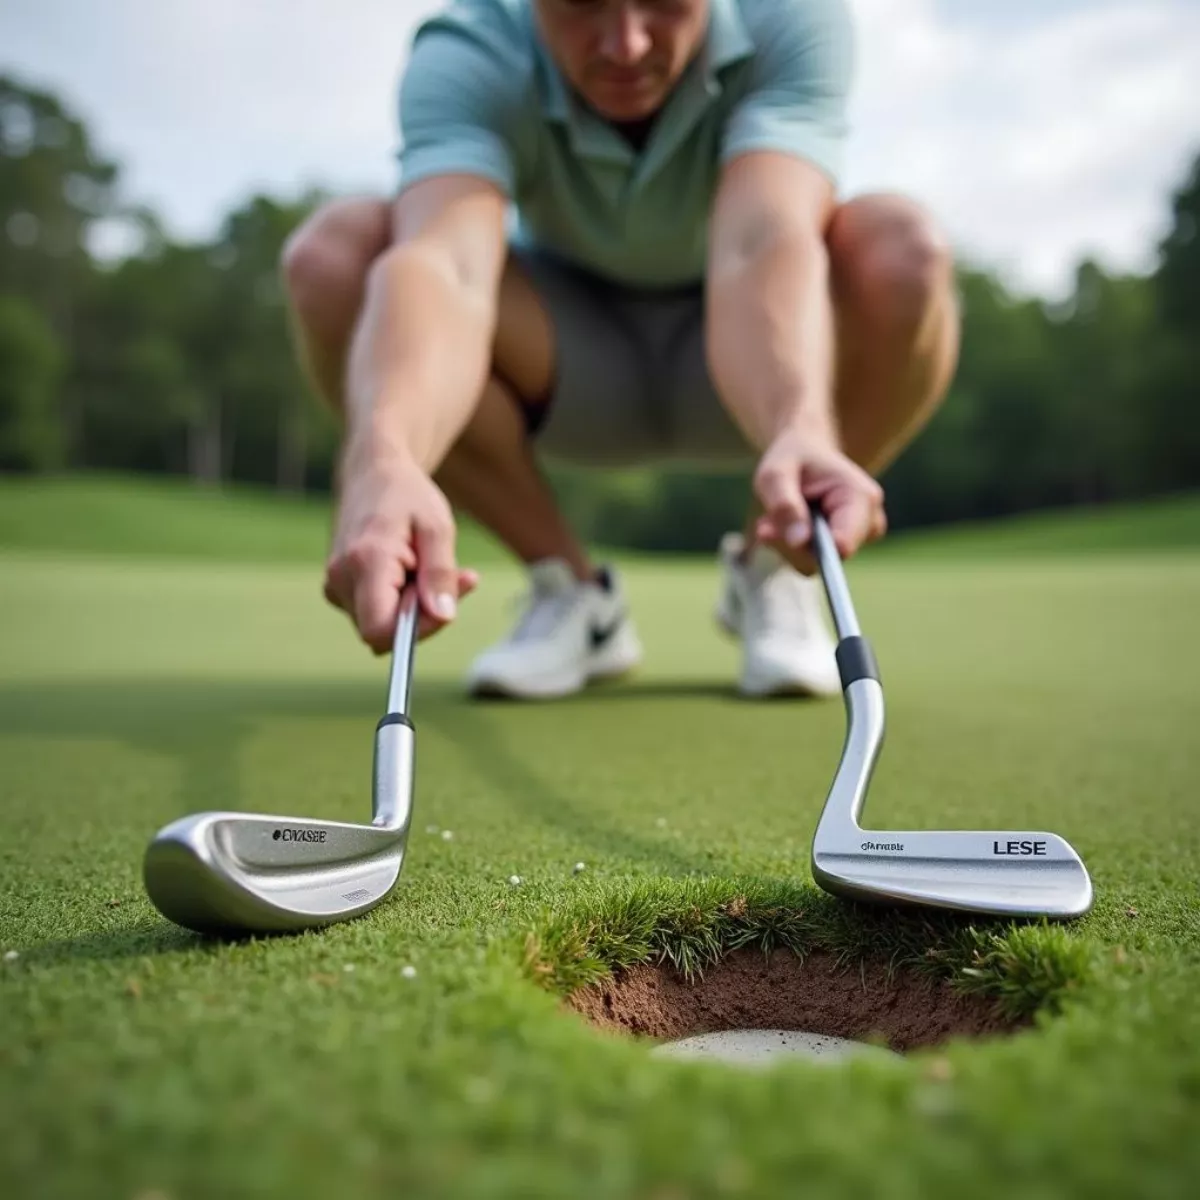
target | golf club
x=231, y=872
x=1000, y=873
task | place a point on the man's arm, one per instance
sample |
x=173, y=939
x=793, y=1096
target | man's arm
x=770, y=328
x=770, y=320
x=422, y=349
x=418, y=364
x=771, y=348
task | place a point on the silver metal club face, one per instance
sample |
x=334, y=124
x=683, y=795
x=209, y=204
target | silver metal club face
x=1001, y=873
x=231, y=872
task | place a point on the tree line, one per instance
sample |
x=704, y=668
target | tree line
x=176, y=358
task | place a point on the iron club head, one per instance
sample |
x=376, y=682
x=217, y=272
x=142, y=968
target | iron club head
x=1001, y=873
x=231, y=872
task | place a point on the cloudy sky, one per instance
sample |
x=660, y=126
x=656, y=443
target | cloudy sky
x=1037, y=130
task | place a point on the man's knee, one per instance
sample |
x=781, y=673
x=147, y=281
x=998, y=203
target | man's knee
x=890, y=261
x=326, y=260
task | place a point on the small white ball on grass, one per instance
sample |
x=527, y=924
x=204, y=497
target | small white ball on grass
x=11, y=955
x=578, y=867
x=515, y=880
x=447, y=835
x=408, y=972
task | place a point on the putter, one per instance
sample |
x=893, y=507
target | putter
x=999, y=873
x=231, y=872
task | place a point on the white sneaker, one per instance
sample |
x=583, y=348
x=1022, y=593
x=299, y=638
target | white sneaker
x=569, y=634
x=778, y=615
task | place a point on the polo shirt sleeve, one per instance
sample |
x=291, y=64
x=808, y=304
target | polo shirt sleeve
x=799, y=82
x=457, y=100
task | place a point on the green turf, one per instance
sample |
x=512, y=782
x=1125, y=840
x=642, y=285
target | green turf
x=136, y=1060
x=143, y=516
x=1168, y=523
x=139, y=516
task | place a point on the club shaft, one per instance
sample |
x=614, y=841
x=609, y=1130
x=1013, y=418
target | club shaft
x=400, y=684
x=845, y=619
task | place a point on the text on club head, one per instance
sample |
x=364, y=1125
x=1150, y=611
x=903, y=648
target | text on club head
x=1019, y=848
x=299, y=835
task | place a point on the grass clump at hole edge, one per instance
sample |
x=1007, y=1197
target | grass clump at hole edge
x=690, y=925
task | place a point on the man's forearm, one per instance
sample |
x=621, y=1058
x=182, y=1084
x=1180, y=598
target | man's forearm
x=771, y=338
x=420, y=358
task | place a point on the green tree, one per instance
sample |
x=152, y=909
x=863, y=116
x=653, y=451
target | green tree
x=274, y=419
x=31, y=366
x=54, y=188
x=1174, y=397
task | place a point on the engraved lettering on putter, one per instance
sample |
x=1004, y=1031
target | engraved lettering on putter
x=231, y=872
x=999, y=873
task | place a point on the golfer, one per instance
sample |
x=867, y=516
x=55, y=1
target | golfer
x=617, y=238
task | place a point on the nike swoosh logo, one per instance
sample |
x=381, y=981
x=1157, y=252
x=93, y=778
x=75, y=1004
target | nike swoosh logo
x=600, y=635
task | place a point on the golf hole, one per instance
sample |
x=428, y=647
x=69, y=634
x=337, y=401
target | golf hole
x=756, y=1010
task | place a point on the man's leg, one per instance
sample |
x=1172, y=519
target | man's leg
x=897, y=321
x=325, y=266
x=490, y=472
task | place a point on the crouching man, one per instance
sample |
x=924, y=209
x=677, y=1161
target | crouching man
x=682, y=283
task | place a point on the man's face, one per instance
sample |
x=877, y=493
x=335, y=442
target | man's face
x=623, y=56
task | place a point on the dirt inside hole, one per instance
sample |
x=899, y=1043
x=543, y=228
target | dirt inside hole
x=747, y=990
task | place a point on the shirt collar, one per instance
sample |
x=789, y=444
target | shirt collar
x=728, y=40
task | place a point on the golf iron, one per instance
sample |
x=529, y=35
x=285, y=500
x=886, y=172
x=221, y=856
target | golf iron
x=231, y=872
x=999, y=873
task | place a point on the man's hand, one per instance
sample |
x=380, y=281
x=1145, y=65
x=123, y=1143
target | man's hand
x=799, y=467
x=393, y=520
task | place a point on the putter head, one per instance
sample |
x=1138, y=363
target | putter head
x=228, y=872
x=231, y=872
x=1000, y=874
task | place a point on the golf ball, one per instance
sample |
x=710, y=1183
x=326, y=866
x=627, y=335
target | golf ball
x=409, y=972
x=515, y=880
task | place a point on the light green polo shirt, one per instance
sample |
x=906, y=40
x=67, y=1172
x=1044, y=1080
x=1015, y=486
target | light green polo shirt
x=481, y=95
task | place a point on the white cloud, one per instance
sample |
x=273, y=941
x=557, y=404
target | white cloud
x=1036, y=132
x=1035, y=141
x=204, y=100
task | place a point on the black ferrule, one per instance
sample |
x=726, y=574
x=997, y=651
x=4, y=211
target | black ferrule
x=394, y=719
x=856, y=660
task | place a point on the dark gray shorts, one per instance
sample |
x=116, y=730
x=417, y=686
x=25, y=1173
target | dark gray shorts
x=631, y=383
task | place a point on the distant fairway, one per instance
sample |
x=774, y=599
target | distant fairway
x=199, y=667
x=107, y=515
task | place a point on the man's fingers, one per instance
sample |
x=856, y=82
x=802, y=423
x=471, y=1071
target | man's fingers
x=777, y=484
x=855, y=516
x=376, y=605
x=438, y=576
x=849, y=522
x=468, y=581
x=879, y=524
